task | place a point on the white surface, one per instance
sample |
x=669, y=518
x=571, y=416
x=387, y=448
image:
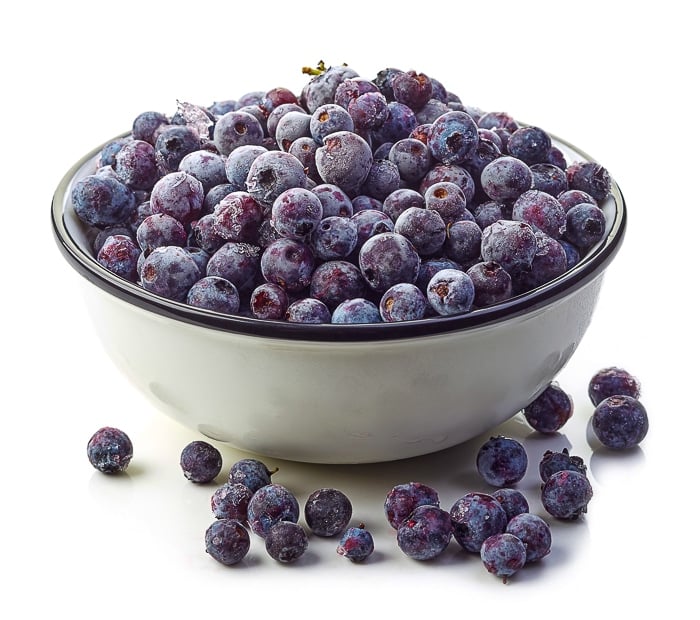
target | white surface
x=76, y=542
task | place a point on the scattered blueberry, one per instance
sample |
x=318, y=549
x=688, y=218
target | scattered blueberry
x=286, y=541
x=566, y=494
x=269, y=505
x=425, y=533
x=553, y=461
x=251, y=473
x=327, y=512
x=512, y=501
x=550, y=410
x=356, y=544
x=200, y=461
x=501, y=461
x=534, y=532
x=613, y=381
x=227, y=541
x=230, y=501
x=503, y=555
x=110, y=450
x=475, y=517
x=403, y=499
x=620, y=422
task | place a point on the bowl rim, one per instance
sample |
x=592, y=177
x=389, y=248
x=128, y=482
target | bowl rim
x=594, y=263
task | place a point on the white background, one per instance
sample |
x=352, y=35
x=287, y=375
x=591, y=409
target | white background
x=75, y=542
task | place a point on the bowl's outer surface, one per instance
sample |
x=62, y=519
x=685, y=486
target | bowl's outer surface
x=345, y=401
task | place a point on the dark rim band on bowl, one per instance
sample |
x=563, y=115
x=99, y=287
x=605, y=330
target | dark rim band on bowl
x=590, y=266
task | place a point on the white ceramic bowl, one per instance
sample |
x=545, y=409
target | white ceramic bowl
x=339, y=393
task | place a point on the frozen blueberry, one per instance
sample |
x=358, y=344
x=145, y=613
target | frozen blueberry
x=549, y=178
x=585, y=225
x=179, y=195
x=572, y=197
x=146, y=125
x=534, y=532
x=251, y=473
x=344, y=160
x=327, y=119
x=308, y=310
x=237, y=217
x=548, y=263
x=463, y=241
x=550, y=410
x=321, y=87
x=400, y=200
x=289, y=264
x=446, y=198
x=512, y=245
x=505, y=178
x=512, y=501
x=542, y=211
x=271, y=173
x=492, y=283
x=530, y=144
x=269, y=505
x=450, y=291
x=110, y=450
x=356, y=544
x=335, y=237
x=425, y=533
x=236, y=129
x=335, y=281
x=238, y=163
x=335, y=201
x=227, y=541
x=286, y=541
x=501, y=461
x=269, y=301
x=358, y=310
x=424, y=228
x=119, y=254
x=102, y=201
x=291, y=127
x=475, y=517
x=403, y=499
x=327, y=512
x=412, y=89
x=296, y=213
x=214, y=293
x=172, y=144
x=503, y=555
x=200, y=461
x=553, y=461
x=412, y=159
x=402, y=302
x=135, y=165
x=169, y=271
x=589, y=177
x=566, y=494
x=620, y=422
x=452, y=137
x=382, y=179
x=207, y=167
x=239, y=263
x=612, y=381
x=448, y=173
x=387, y=259
x=230, y=501
x=158, y=230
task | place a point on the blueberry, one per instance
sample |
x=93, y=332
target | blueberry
x=344, y=160
x=402, y=302
x=327, y=512
x=200, y=461
x=286, y=542
x=236, y=129
x=321, y=87
x=269, y=301
x=172, y=144
x=335, y=281
x=370, y=222
x=403, y=499
x=288, y=263
x=203, y=234
x=102, y=201
x=498, y=120
x=425, y=533
x=269, y=505
x=227, y=541
x=505, y=178
x=398, y=123
x=110, y=450
x=214, y=293
x=239, y=263
x=271, y=173
x=356, y=544
x=453, y=137
x=334, y=238
x=612, y=381
x=158, y=230
x=550, y=410
x=207, y=167
x=136, y=166
x=501, y=461
x=529, y=144
x=503, y=555
x=445, y=198
x=358, y=310
x=387, y=259
x=251, y=473
x=215, y=195
x=147, y=125
x=368, y=112
x=200, y=257
x=412, y=159
x=308, y=310
x=585, y=225
x=230, y=501
x=119, y=254
x=110, y=231
x=512, y=245
x=463, y=241
x=275, y=116
x=572, y=197
x=549, y=178
x=292, y=126
x=433, y=110
x=400, y=200
x=327, y=119
x=365, y=203
x=553, y=461
x=486, y=151
x=573, y=256
x=589, y=177
x=237, y=217
x=238, y=163
x=335, y=201
x=382, y=179
x=475, y=517
x=542, y=211
x=566, y=494
x=450, y=291
x=412, y=89
x=179, y=195
x=429, y=267
x=535, y=534
x=352, y=88
x=304, y=149
x=512, y=501
x=296, y=213
x=549, y=262
x=446, y=173
x=169, y=271
x=620, y=422
x=492, y=283
x=424, y=228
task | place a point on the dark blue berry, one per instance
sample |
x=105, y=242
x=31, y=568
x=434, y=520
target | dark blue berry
x=335, y=201
x=235, y=129
x=273, y=172
x=475, y=517
x=334, y=238
x=492, y=283
x=227, y=541
x=453, y=137
x=426, y=533
x=207, y=167
x=512, y=245
x=398, y=123
x=549, y=262
x=291, y=127
x=448, y=173
x=251, y=473
x=565, y=494
x=387, y=259
x=179, y=195
x=585, y=225
x=296, y=213
x=572, y=197
x=412, y=159
x=286, y=541
x=172, y=144
x=110, y=450
x=549, y=178
x=403, y=499
x=463, y=241
x=424, y=228
x=620, y=422
x=269, y=505
x=344, y=160
x=530, y=144
x=169, y=271
x=136, y=166
x=503, y=555
x=550, y=410
x=308, y=310
x=327, y=512
x=534, y=532
x=200, y=461
x=214, y=293
x=501, y=461
x=158, y=230
x=238, y=163
x=119, y=254
x=505, y=178
x=288, y=263
x=356, y=544
x=237, y=217
x=542, y=211
x=450, y=291
x=321, y=87
x=400, y=200
x=358, y=310
x=102, y=201
x=269, y=301
x=328, y=119
x=612, y=381
x=402, y=302
x=446, y=198
x=382, y=179
x=147, y=124
x=335, y=281
x=512, y=501
x=589, y=177
x=412, y=89
x=553, y=461
x=230, y=501
x=203, y=233
x=239, y=263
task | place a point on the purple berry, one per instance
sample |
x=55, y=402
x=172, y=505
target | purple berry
x=503, y=555
x=463, y=241
x=387, y=259
x=492, y=283
x=344, y=160
x=308, y=310
x=239, y=263
x=334, y=238
x=179, y=195
x=475, y=517
x=573, y=197
x=227, y=541
x=172, y=144
x=335, y=281
x=327, y=512
x=158, y=230
x=358, y=310
x=146, y=125
x=286, y=542
x=501, y=461
x=620, y=422
x=269, y=301
x=512, y=501
x=238, y=163
x=214, y=293
x=505, y=178
x=424, y=228
x=356, y=544
x=200, y=461
x=550, y=410
x=589, y=177
x=269, y=505
x=453, y=137
x=613, y=381
x=335, y=201
x=552, y=462
x=412, y=89
x=237, y=217
x=534, y=532
x=235, y=129
x=207, y=167
x=542, y=211
x=272, y=173
x=119, y=254
x=289, y=264
x=585, y=225
x=296, y=213
x=251, y=473
x=135, y=165
x=403, y=499
x=529, y=144
x=412, y=159
x=327, y=119
x=450, y=291
x=169, y=271
x=512, y=245
x=549, y=178
x=291, y=127
x=102, y=201
x=402, y=302
x=400, y=200
x=565, y=494
x=230, y=501
x=110, y=450
x=426, y=533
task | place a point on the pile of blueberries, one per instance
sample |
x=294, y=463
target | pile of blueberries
x=499, y=525
x=358, y=201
